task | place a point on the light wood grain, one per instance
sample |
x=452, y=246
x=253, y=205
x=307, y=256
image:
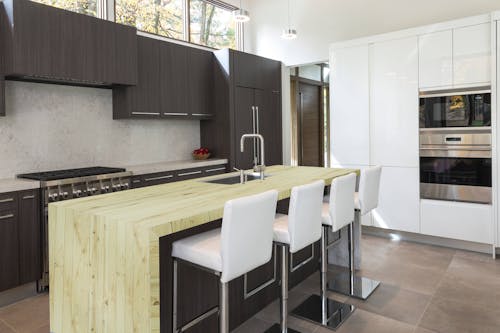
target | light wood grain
x=104, y=250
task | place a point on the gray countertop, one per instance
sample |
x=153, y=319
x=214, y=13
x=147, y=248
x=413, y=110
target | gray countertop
x=14, y=184
x=173, y=165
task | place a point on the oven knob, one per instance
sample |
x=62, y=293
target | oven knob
x=63, y=195
x=53, y=197
x=125, y=186
x=77, y=193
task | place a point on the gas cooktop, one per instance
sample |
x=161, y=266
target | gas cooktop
x=70, y=173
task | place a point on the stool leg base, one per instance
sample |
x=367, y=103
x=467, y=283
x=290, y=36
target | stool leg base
x=276, y=328
x=362, y=287
x=336, y=312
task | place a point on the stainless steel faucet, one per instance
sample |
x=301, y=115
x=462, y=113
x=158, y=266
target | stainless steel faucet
x=257, y=168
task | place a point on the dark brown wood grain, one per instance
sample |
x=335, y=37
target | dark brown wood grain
x=29, y=236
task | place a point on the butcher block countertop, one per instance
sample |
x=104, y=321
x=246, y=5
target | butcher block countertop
x=104, y=250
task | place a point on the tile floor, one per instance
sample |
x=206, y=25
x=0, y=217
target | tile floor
x=425, y=289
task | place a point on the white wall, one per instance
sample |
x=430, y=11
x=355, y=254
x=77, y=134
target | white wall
x=54, y=126
x=322, y=22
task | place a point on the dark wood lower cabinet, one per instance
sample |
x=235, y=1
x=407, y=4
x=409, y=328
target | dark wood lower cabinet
x=198, y=290
x=9, y=250
x=29, y=237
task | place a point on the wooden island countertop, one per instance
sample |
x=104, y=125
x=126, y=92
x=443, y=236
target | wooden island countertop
x=104, y=250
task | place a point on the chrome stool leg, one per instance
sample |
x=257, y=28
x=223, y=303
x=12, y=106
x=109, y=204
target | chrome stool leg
x=224, y=308
x=320, y=309
x=348, y=283
x=282, y=327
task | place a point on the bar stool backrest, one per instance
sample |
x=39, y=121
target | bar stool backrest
x=247, y=234
x=369, y=184
x=341, y=205
x=304, y=215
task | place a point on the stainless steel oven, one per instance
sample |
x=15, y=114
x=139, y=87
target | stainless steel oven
x=456, y=165
x=456, y=108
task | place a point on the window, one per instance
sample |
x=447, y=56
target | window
x=211, y=25
x=160, y=17
x=88, y=7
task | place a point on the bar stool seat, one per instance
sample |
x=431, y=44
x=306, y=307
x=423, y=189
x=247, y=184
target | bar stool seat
x=228, y=252
x=203, y=250
x=280, y=229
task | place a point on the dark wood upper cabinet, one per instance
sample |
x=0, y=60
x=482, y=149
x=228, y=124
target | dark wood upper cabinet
x=44, y=43
x=247, y=90
x=175, y=81
x=29, y=236
x=174, y=97
x=143, y=99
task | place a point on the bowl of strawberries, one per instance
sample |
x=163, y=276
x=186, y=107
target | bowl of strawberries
x=201, y=154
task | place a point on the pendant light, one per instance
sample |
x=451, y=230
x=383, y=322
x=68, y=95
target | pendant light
x=241, y=15
x=289, y=33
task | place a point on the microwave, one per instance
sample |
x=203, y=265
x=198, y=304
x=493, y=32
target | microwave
x=455, y=109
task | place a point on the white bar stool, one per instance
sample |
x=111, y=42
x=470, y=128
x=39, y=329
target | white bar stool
x=338, y=213
x=244, y=243
x=293, y=232
x=364, y=202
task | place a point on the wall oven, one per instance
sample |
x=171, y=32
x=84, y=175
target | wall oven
x=457, y=108
x=456, y=165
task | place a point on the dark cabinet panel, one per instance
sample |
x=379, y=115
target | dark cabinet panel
x=248, y=70
x=270, y=126
x=244, y=122
x=9, y=250
x=2, y=96
x=174, y=80
x=29, y=236
x=200, y=82
x=50, y=44
x=158, y=178
x=142, y=100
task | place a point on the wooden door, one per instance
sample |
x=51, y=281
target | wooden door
x=243, y=124
x=29, y=236
x=174, y=80
x=310, y=125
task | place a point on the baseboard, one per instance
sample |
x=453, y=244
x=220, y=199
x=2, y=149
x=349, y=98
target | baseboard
x=430, y=240
x=17, y=294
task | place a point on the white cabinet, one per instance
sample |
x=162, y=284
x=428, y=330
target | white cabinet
x=349, y=115
x=399, y=200
x=394, y=103
x=457, y=220
x=435, y=51
x=472, y=55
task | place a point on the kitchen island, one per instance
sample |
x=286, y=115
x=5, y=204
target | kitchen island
x=109, y=254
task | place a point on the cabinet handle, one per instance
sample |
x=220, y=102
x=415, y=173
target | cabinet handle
x=174, y=114
x=27, y=197
x=158, y=178
x=214, y=170
x=7, y=200
x=190, y=173
x=257, y=127
x=146, y=113
x=8, y=216
x=201, y=115
x=136, y=181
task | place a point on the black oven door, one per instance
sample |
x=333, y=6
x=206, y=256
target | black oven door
x=456, y=178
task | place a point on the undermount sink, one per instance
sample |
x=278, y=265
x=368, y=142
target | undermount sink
x=235, y=179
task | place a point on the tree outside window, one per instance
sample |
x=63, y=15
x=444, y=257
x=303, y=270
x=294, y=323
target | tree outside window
x=211, y=25
x=87, y=7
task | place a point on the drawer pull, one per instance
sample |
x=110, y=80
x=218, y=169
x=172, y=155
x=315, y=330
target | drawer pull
x=8, y=216
x=202, y=115
x=28, y=197
x=136, y=181
x=7, y=200
x=159, y=178
x=214, y=170
x=175, y=114
x=146, y=113
x=190, y=173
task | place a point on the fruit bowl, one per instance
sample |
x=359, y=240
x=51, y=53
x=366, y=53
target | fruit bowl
x=201, y=154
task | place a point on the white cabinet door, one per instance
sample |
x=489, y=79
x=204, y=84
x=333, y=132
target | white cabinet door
x=457, y=220
x=472, y=55
x=349, y=115
x=394, y=103
x=399, y=200
x=435, y=51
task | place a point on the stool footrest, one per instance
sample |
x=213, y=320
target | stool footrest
x=335, y=312
x=362, y=287
x=276, y=328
